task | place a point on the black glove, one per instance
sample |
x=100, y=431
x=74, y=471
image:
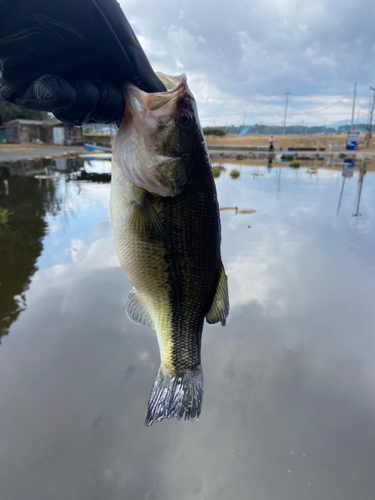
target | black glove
x=81, y=102
x=70, y=57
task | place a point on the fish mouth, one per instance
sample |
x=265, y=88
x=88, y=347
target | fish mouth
x=139, y=149
x=176, y=87
x=144, y=106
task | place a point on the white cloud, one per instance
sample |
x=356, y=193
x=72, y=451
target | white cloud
x=250, y=52
x=100, y=254
x=248, y=281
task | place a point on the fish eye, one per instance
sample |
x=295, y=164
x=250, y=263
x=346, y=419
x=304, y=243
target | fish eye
x=185, y=118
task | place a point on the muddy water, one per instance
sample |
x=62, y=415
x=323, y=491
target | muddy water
x=289, y=408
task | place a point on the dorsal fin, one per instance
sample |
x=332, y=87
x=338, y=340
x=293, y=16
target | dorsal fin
x=136, y=310
x=220, y=305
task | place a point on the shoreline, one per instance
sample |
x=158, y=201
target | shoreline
x=251, y=156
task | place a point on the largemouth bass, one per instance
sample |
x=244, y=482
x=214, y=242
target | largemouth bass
x=166, y=223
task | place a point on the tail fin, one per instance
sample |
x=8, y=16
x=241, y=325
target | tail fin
x=178, y=396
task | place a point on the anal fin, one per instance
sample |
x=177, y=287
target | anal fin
x=145, y=220
x=136, y=311
x=220, y=305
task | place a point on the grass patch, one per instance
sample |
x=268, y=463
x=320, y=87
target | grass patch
x=234, y=173
x=216, y=171
x=218, y=131
x=4, y=217
x=294, y=164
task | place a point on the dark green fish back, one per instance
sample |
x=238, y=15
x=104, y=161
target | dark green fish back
x=192, y=228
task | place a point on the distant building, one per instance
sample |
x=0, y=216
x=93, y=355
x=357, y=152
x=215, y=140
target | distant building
x=66, y=133
x=31, y=131
x=19, y=131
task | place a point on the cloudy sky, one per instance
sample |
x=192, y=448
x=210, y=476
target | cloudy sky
x=241, y=56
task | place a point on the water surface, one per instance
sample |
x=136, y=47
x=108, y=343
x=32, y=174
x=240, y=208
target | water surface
x=289, y=405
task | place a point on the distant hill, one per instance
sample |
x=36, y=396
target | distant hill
x=294, y=129
x=277, y=130
x=9, y=111
x=362, y=127
x=344, y=123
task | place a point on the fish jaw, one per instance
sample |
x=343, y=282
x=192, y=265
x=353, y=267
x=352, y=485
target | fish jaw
x=133, y=156
x=151, y=147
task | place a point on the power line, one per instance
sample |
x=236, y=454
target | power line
x=330, y=105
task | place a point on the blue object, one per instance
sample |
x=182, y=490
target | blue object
x=352, y=139
x=93, y=147
x=348, y=168
x=245, y=130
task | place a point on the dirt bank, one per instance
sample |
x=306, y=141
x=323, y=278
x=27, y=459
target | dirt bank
x=283, y=142
x=11, y=152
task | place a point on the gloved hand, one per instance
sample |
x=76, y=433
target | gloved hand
x=81, y=102
x=70, y=57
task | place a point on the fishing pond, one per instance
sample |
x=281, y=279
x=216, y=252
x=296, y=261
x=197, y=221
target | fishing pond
x=289, y=379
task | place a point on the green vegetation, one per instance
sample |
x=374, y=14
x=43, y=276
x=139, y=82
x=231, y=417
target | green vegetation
x=217, y=169
x=289, y=157
x=239, y=157
x=9, y=111
x=4, y=217
x=294, y=164
x=218, y=131
x=88, y=128
x=279, y=130
x=344, y=129
x=100, y=139
x=234, y=173
x=216, y=172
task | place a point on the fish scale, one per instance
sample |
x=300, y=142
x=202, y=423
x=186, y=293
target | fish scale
x=189, y=292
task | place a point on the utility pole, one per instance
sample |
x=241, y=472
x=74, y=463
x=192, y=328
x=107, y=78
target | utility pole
x=342, y=192
x=370, y=124
x=287, y=93
x=369, y=112
x=360, y=183
x=354, y=96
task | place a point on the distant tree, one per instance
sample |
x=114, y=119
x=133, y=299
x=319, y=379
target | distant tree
x=277, y=130
x=88, y=129
x=362, y=127
x=9, y=111
x=219, y=131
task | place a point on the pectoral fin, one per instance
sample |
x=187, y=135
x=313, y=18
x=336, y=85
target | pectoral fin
x=220, y=305
x=136, y=310
x=145, y=220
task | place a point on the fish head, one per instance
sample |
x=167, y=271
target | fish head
x=158, y=137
